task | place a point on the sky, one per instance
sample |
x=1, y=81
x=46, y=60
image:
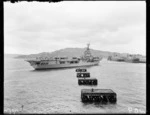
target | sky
x=35, y=27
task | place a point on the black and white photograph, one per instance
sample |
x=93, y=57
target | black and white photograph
x=72, y=57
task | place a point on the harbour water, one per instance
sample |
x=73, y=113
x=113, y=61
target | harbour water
x=57, y=91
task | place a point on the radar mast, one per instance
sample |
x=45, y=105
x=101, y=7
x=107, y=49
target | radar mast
x=87, y=53
x=88, y=45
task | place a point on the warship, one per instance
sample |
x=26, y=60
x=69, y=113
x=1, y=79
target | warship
x=64, y=62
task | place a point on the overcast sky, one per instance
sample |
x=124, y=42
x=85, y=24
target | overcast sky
x=34, y=27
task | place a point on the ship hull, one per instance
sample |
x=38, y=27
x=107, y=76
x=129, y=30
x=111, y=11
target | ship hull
x=58, y=66
x=131, y=61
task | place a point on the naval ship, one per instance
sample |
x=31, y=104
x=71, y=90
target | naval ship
x=64, y=62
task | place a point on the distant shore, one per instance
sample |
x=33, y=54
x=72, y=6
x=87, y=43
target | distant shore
x=128, y=58
x=77, y=52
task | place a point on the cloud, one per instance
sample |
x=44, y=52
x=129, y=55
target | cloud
x=36, y=27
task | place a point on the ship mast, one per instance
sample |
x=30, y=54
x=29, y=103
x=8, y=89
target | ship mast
x=88, y=46
x=87, y=53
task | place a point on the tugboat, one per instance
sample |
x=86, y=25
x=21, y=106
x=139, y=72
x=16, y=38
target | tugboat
x=63, y=62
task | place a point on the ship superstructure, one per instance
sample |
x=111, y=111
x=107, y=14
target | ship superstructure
x=64, y=62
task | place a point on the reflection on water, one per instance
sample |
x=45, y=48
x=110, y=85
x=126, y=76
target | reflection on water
x=56, y=91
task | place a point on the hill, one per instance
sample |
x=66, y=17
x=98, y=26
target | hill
x=71, y=52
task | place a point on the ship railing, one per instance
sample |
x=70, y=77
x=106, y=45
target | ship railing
x=40, y=59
